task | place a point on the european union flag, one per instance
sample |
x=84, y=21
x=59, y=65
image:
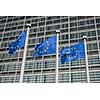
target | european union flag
x=73, y=52
x=46, y=47
x=19, y=43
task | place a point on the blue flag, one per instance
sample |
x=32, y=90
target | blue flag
x=18, y=43
x=46, y=47
x=73, y=52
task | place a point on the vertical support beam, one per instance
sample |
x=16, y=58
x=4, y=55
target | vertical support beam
x=70, y=76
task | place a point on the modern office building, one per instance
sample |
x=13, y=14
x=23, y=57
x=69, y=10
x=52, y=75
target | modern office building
x=42, y=69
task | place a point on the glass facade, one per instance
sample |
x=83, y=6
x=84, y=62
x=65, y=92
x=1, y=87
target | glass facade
x=42, y=69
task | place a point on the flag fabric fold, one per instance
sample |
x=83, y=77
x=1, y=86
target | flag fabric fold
x=46, y=47
x=17, y=44
x=73, y=52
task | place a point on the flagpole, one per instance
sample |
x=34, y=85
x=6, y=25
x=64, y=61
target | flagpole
x=57, y=54
x=86, y=60
x=24, y=55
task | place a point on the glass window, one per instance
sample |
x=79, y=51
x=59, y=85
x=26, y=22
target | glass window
x=49, y=17
x=92, y=46
x=0, y=35
x=56, y=21
x=56, y=26
x=42, y=23
x=73, y=18
x=90, y=21
x=48, y=22
x=64, y=20
x=49, y=79
x=91, y=33
x=82, y=28
x=49, y=28
x=34, y=25
x=9, y=19
x=41, y=29
x=42, y=19
x=73, y=29
x=91, y=27
x=28, y=17
x=95, y=46
x=82, y=23
x=72, y=36
x=63, y=30
x=32, y=41
x=34, y=30
x=98, y=26
x=92, y=39
x=49, y=63
x=40, y=40
x=93, y=60
x=22, y=17
x=95, y=76
x=78, y=77
x=98, y=32
x=89, y=16
x=64, y=37
x=64, y=77
x=81, y=17
x=98, y=20
x=73, y=24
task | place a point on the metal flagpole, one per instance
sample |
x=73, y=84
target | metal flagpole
x=86, y=60
x=24, y=55
x=57, y=54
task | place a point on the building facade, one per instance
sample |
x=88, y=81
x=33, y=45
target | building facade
x=42, y=69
